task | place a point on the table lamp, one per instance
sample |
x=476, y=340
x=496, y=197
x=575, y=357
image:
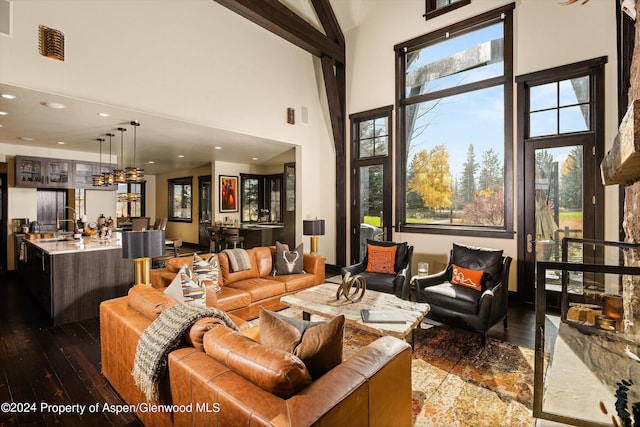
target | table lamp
x=141, y=246
x=313, y=228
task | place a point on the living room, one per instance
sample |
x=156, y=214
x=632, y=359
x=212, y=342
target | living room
x=202, y=63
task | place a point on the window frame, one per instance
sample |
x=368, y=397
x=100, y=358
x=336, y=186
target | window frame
x=142, y=200
x=432, y=10
x=171, y=183
x=506, y=80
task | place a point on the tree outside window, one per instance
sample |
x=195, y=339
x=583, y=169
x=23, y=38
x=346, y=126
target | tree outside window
x=455, y=127
x=180, y=200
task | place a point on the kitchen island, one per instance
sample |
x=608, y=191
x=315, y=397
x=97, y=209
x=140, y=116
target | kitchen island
x=70, y=278
x=259, y=234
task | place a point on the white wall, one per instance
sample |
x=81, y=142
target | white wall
x=546, y=35
x=191, y=60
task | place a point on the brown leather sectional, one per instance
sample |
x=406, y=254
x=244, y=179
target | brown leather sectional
x=224, y=378
x=243, y=292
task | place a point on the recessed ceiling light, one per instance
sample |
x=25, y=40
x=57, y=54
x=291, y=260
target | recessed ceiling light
x=150, y=162
x=8, y=96
x=254, y=158
x=54, y=105
x=0, y=126
x=3, y=113
x=181, y=155
x=26, y=138
x=61, y=142
x=103, y=114
x=217, y=147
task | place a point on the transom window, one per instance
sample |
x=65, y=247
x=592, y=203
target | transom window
x=559, y=107
x=374, y=137
x=455, y=120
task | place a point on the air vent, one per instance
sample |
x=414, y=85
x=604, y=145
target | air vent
x=51, y=43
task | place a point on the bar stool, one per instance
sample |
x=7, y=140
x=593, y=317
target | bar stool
x=215, y=239
x=233, y=238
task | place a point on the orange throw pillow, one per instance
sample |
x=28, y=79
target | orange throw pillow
x=466, y=277
x=381, y=259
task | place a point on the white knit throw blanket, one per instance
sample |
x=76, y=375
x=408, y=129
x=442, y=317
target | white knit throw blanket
x=161, y=337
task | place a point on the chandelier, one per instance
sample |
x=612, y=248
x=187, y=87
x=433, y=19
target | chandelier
x=119, y=174
x=98, y=180
x=134, y=174
x=108, y=177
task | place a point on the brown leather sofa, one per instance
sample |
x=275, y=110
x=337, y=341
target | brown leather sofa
x=243, y=292
x=372, y=388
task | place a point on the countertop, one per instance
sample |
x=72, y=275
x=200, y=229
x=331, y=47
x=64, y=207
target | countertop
x=260, y=226
x=58, y=246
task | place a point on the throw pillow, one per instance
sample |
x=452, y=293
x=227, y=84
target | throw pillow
x=184, y=289
x=381, y=259
x=401, y=252
x=288, y=262
x=318, y=344
x=467, y=277
x=239, y=259
x=474, y=258
x=206, y=271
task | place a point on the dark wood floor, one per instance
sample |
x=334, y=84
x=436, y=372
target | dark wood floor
x=61, y=365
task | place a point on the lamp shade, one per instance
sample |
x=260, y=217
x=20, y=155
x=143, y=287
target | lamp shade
x=142, y=244
x=313, y=227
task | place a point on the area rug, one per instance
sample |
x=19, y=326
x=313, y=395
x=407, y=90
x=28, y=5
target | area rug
x=458, y=382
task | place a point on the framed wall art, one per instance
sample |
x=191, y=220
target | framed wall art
x=228, y=193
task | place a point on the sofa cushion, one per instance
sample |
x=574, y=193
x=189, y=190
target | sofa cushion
x=318, y=344
x=378, y=282
x=149, y=301
x=381, y=259
x=294, y=282
x=474, y=258
x=401, y=252
x=273, y=370
x=232, y=299
x=453, y=297
x=229, y=276
x=259, y=288
x=287, y=261
x=466, y=277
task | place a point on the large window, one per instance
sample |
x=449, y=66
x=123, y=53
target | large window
x=438, y=7
x=455, y=128
x=180, y=199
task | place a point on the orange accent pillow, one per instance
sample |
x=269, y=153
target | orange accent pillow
x=381, y=259
x=467, y=277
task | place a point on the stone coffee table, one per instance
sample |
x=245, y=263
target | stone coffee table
x=321, y=300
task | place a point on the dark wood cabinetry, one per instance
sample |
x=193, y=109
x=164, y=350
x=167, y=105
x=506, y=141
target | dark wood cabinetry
x=42, y=172
x=70, y=286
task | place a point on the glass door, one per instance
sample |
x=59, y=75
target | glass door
x=370, y=179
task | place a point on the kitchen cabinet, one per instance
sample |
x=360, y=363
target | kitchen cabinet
x=42, y=172
x=70, y=279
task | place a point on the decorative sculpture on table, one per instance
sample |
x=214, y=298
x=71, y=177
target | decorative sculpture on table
x=350, y=287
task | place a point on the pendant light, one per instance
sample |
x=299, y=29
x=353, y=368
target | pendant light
x=134, y=174
x=98, y=180
x=119, y=175
x=108, y=176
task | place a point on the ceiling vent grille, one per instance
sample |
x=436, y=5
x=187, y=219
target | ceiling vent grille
x=51, y=43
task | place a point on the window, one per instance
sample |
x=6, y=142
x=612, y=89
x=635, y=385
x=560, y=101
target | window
x=131, y=200
x=438, y=7
x=180, y=199
x=373, y=137
x=559, y=107
x=455, y=128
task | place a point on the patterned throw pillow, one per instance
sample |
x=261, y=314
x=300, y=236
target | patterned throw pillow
x=184, y=289
x=206, y=272
x=467, y=277
x=381, y=259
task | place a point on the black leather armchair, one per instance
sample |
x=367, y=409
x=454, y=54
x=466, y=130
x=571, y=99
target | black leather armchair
x=398, y=283
x=464, y=307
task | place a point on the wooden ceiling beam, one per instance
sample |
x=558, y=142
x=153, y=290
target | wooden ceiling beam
x=329, y=22
x=277, y=18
